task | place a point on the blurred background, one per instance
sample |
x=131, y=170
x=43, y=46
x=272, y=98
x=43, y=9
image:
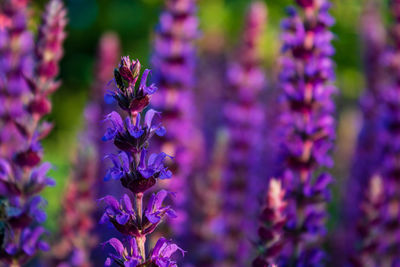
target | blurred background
x=221, y=23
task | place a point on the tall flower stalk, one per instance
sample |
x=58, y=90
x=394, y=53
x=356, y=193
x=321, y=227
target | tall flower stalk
x=245, y=118
x=307, y=130
x=367, y=149
x=174, y=61
x=22, y=174
x=387, y=254
x=136, y=171
x=16, y=52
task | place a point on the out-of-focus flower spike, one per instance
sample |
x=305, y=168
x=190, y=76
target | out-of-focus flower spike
x=16, y=52
x=374, y=42
x=389, y=145
x=174, y=64
x=27, y=176
x=367, y=150
x=137, y=172
x=49, y=49
x=307, y=130
x=245, y=121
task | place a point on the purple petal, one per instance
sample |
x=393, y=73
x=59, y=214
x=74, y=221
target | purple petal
x=117, y=245
x=111, y=202
x=122, y=218
x=128, y=204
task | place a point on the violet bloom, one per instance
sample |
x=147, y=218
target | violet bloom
x=136, y=171
x=173, y=62
x=245, y=119
x=22, y=174
x=307, y=130
x=367, y=149
x=389, y=141
x=16, y=53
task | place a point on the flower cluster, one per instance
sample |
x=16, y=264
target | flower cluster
x=307, y=129
x=245, y=118
x=389, y=143
x=136, y=172
x=22, y=175
x=174, y=61
x=16, y=50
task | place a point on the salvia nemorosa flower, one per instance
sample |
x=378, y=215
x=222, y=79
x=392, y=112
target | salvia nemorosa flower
x=174, y=61
x=367, y=149
x=389, y=142
x=245, y=119
x=271, y=231
x=16, y=51
x=23, y=175
x=307, y=130
x=136, y=171
x=366, y=158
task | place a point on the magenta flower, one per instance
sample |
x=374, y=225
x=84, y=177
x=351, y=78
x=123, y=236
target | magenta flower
x=307, y=131
x=22, y=174
x=244, y=114
x=174, y=61
x=136, y=172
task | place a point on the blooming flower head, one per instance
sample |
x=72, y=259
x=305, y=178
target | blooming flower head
x=135, y=171
x=129, y=96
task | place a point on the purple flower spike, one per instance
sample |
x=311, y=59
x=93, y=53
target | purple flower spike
x=307, y=132
x=385, y=251
x=367, y=149
x=174, y=62
x=24, y=100
x=16, y=52
x=49, y=44
x=245, y=120
x=135, y=171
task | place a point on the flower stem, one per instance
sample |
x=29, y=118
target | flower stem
x=139, y=206
x=141, y=242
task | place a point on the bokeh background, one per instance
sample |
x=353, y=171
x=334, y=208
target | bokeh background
x=221, y=23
